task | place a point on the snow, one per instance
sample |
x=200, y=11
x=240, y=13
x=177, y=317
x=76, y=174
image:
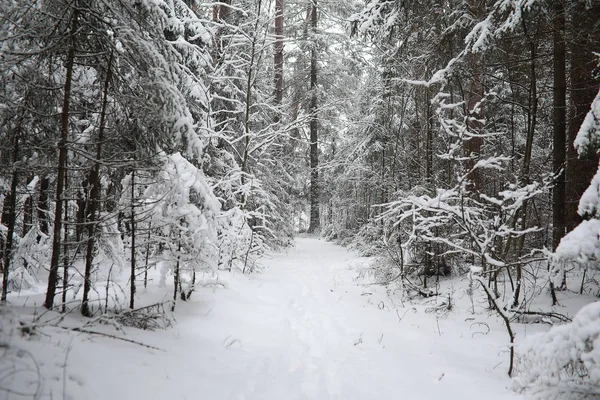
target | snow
x=479, y=36
x=589, y=133
x=589, y=204
x=571, y=347
x=310, y=326
x=582, y=244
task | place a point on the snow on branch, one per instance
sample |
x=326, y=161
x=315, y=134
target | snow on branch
x=588, y=136
x=564, y=362
x=581, y=245
x=503, y=18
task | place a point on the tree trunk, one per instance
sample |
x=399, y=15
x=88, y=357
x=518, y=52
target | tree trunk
x=314, y=147
x=249, y=84
x=428, y=142
x=65, y=277
x=559, y=123
x=62, y=164
x=525, y=178
x=42, y=206
x=176, y=275
x=9, y=215
x=475, y=113
x=278, y=58
x=559, y=129
x=584, y=40
x=94, y=202
x=147, y=255
x=28, y=210
x=132, y=274
x=221, y=13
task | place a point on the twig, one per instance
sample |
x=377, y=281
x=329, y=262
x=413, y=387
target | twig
x=503, y=314
x=108, y=335
x=560, y=317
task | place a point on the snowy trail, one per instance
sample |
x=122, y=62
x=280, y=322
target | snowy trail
x=305, y=328
x=308, y=330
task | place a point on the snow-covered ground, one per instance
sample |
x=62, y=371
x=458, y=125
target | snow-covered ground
x=307, y=327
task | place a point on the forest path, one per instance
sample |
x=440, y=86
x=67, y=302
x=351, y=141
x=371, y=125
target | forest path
x=308, y=329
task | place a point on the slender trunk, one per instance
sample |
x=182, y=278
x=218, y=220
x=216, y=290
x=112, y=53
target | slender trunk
x=94, y=201
x=428, y=141
x=27, y=216
x=314, y=147
x=42, y=206
x=559, y=123
x=10, y=211
x=176, y=276
x=65, y=277
x=525, y=179
x=132, y=276
x=62, y=164
x=278, y=57
x=28, y=211
x=247, y=110
x=147, y=256
x=559, y=130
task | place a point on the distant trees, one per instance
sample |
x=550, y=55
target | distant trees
x=465, y=108
x=469, y=91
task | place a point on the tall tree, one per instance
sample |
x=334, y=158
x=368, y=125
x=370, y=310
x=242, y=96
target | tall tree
x=559, y=123
x=9, y=216
x=62, y=159
x=314, y=124
x=278, y=57
x=474, y=103
x=584, y=41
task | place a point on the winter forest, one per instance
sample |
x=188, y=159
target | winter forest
x=300, y=199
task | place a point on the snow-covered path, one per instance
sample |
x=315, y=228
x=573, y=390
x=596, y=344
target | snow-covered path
x=305, y=328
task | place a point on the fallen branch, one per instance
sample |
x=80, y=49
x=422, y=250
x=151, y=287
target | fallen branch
x=560, y=317
x=108, y=335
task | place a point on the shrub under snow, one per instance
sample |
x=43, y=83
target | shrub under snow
x=564, y=363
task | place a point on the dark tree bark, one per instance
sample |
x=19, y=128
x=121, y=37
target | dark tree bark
x=221, y=14
x=28, y=211
x=475, y=112
x=249, y=85
x=147, y=254
x=177, y=275
x=65, y=277
x=559, y=123
x=62, y=162
x=42, y=205
x=132, y=274
x=314, y=122
x=278, y=58
x=584, y=39
x=221, y=11
x=9, y=216
x=474, y=125
x=525, y=172
x=94, y=202
x=428, y=140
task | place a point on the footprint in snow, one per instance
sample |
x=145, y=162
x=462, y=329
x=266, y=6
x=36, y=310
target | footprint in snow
x=77, y=379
